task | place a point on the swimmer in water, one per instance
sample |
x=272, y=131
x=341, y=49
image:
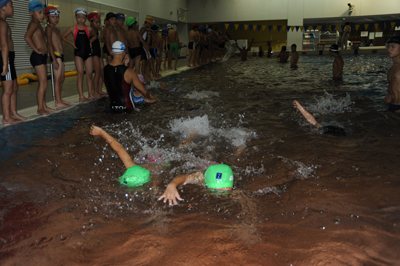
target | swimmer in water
x=243, y=52
x=393, y=96
x=337, y=63
x=217, y=177
x=283, y=55
x=295, y=56
x=329, y=130
x=134, y=175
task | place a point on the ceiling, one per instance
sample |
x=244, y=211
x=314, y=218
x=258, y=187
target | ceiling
x=352, y=20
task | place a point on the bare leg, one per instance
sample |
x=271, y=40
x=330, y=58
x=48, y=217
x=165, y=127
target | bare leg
x=137, y=64
x=79, y=82
x=8, y=91
x=41, y=72
x=176, y=61
x=58, y=82
x=89, y=76
x=310, y=118
x=126, y=159
x=97, y=76
x=101, y=81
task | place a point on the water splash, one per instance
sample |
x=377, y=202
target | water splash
x=327, y=104
x=195, y=95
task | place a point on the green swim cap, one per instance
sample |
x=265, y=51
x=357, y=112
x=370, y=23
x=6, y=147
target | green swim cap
x=219, y=176
x=129, y=21
x=135, y=176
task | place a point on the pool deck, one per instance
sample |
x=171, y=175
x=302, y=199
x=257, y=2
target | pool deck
x=26, y=98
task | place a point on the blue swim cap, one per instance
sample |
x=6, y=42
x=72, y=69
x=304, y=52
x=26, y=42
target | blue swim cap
x=394, y=39
x=164, y=31
x=3, y=3
x=120, y=16
x=35, y=5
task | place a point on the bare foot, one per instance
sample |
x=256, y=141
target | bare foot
x=95, y=131
x=67, y=103
x=43, y=112
x=48, y=109
x=189, y=65
x=10, y=121
x=84, y=100
x=169, y=68
x=18, y=117
x=61, y=105
x=103, y=93
x=175, y=68
x=96, y=95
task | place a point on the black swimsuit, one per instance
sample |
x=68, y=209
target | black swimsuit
x=96, y=48
x=82, y=43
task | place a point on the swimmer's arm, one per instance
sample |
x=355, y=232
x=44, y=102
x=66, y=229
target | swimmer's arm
x=69, y=31
x=32, y=27
x=4, y=46
x=126, y=159
x=171, y=193
x=94, y=34
x=107, y=36
x=49, y=34
x=388, y=98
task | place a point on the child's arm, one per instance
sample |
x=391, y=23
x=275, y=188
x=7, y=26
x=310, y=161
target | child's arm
x=49, y=34
x=107, y=39
x=126, y=159
x=93, y=32
x=143, y=42
x=4, y=46
x=28, y=37
x=70, y=30
x=171, y=193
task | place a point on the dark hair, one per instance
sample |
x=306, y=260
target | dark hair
x=294, y=45
x=283, y=48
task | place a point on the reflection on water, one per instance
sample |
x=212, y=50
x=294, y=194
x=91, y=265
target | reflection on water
x=300, y=198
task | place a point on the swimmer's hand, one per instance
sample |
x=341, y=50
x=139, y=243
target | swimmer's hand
x=55, y=65
x=41, y=51
x=95, y=131
x=171, y=195
x=5, y=70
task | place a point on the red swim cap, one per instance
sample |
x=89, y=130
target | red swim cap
x=93, y=16
x=47, y=12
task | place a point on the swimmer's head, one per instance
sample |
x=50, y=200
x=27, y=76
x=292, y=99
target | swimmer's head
x=334, y=48
x=283, y=48
x=52, y=11
x=120, y=16
x=195, y=26
x=35, y=5
x=92, y=16
x=118, y=47
x=130, y=21
x=135, y=176
x=3, y=3
x=155, y=28
x=81, y=10
x=164, y=32
x=394, y=39
x=219, y=176
x=169, y=26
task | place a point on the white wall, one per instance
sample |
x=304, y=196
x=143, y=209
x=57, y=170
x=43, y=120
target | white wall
x=211, y=11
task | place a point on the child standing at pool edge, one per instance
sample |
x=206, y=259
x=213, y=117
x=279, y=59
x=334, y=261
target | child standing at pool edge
x=98, y=63
x=54, y=44
x=35, y=38
x=8, y=73
x=82, y=52
x=337, y=63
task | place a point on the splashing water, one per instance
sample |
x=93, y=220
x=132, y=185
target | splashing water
x=195, y=95
x=201, y=126
x=327, y=104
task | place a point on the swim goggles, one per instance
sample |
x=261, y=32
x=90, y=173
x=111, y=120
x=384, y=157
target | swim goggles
x=81, y=10
x=54, y=12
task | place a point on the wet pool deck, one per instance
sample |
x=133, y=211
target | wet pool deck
x=27, y=104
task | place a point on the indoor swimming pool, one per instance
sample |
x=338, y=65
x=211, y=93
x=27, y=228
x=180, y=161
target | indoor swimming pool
x=300, y=197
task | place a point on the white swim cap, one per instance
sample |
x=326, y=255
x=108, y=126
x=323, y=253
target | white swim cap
x=118, y=47
x=81, y=10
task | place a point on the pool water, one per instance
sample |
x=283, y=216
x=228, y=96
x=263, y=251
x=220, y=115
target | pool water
x=300, y=198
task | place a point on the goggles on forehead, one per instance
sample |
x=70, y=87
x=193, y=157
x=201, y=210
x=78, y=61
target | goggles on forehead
x=54, y=12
